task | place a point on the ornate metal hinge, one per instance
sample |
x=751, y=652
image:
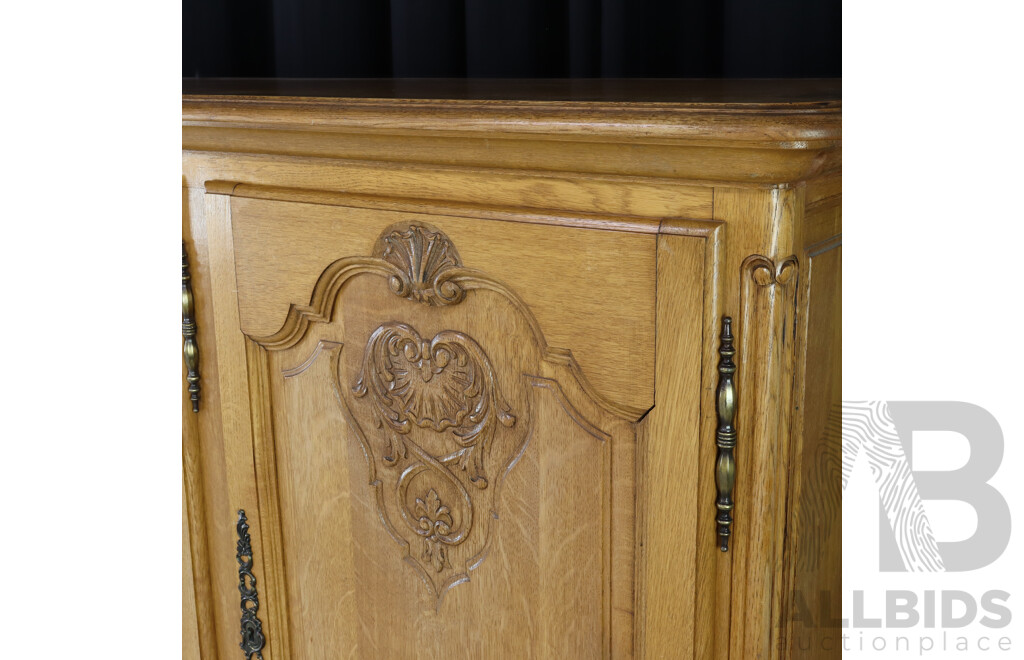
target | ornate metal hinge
x=252, y=629
x=188, y=331
x=725, y=435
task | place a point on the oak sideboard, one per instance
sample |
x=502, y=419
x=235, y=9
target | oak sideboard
x=511, y=369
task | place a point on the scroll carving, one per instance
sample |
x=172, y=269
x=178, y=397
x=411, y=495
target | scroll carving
x=764, y=272
x=765, y=341
x=445, y=383
x=768, y=300
x=438, y=410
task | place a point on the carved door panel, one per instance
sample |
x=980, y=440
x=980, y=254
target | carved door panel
x=432, y=476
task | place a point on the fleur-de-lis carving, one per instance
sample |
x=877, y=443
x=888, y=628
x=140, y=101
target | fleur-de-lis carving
x=435, y=523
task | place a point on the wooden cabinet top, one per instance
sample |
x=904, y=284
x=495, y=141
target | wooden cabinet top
x=752, y=132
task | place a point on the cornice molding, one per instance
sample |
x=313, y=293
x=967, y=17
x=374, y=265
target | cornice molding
x=760, y=143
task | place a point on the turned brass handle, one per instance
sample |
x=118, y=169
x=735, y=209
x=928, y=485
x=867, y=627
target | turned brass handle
x=188, y=331
x=725, y=435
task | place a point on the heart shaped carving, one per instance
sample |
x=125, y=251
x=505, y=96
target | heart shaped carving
x=441, y=384
x=437, y=477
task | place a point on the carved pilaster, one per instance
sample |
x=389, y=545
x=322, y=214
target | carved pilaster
x=766, y=343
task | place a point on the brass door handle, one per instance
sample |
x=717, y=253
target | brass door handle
x=725, y=435
x=188, y=331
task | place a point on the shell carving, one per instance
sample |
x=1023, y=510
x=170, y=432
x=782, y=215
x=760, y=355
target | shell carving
x=441, y=384
x=425, y=260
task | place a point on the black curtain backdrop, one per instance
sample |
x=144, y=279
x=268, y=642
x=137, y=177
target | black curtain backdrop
x=506, y=38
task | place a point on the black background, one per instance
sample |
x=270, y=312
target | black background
x=511, y=38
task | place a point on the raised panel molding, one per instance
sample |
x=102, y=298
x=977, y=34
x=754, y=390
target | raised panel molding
x=420, y=263
x=428, y=412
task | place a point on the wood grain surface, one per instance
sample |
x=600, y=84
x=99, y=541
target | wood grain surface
x=551, y=579
x=578, y=250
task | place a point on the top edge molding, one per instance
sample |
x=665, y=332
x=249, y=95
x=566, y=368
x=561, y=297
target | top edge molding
x=780, y=114
x=744, y=132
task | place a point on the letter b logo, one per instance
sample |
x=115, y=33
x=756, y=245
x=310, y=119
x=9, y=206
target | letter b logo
x=883, y=431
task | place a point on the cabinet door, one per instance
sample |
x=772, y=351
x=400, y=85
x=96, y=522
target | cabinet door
x=431, y=421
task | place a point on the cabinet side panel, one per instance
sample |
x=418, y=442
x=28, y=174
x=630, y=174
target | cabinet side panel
x=814, y=534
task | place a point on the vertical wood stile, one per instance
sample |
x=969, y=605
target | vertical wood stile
x=192, y=475
x=668, y=458
x=763, y=275
x=270, y=517
x=236, y=418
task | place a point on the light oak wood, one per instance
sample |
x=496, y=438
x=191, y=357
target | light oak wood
x=725, y=139
x=276, y=266
x=189, y=621
x=669, y=446
x=199, y=592
x=546, y=465
x=622, y=196
x=813, y=599
x=197, y=596
x=238, y=430
x=219, y=515
x=579, y=258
